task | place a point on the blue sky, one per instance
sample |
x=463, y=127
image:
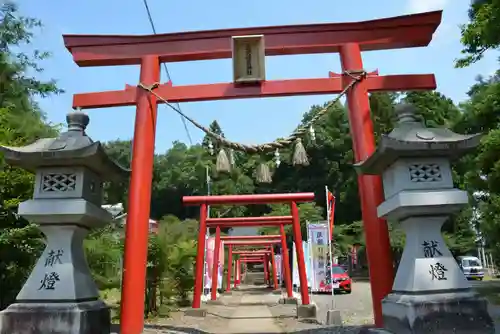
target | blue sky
x=247, y=121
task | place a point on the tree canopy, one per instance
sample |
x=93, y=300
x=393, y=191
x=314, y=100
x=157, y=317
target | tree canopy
x=482, y=32
x=21, y=122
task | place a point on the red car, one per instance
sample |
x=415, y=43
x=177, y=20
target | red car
x=340, y=280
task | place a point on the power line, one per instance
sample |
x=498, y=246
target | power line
x=166, y=70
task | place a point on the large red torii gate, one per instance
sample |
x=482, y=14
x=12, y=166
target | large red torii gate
x=348, y=39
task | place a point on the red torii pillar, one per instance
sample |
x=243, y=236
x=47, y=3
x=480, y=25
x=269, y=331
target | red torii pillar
x=347, y=38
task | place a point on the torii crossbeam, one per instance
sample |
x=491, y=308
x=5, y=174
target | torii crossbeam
x=348, y=39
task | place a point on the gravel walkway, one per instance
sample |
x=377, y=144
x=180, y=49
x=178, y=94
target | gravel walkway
x=355, y=308
x=255, y=310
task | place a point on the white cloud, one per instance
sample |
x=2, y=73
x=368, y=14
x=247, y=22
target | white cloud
x=419, y=6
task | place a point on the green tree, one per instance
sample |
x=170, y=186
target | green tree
x=215, y=128
x=481, y=169
x=482, y=32
x=21, y=123
x=121, y=152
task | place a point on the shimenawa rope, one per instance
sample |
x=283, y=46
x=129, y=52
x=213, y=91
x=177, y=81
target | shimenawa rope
x=299, y=156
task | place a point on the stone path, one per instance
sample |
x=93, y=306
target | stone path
x=250, y=317
x=253, y=309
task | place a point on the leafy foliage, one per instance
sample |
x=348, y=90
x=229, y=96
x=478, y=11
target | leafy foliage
x=482, y=32
x=21, y=122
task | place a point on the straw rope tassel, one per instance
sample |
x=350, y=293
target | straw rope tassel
x=300, y=154
x=263, y=173
x=223, y=164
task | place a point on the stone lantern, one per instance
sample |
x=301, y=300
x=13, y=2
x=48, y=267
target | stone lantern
x=60, y=295
x=430, y=293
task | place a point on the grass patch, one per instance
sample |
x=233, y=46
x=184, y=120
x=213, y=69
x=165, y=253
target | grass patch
x=491, y=292
x=112, y=298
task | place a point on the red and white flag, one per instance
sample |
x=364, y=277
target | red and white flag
x=330, y=204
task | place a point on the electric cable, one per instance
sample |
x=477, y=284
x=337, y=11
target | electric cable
x=150, y=17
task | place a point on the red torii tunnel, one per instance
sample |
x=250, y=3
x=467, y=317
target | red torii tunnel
x=261, y=221
x=227, y=241
x=247, y=253
x=265, y=255
x=292, y=199
x=348, y=39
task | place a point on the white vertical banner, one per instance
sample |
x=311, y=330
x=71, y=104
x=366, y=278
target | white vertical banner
x=208, y=280
x=319, y=255
x=311, y=276
x=295, y=268
x=277, y=261
x=219, y=276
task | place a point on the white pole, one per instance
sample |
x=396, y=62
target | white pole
x=480, y=256
x=311, y=261
x=485, y=264
x=328, y=213
x=207, y=235
x=492, y=264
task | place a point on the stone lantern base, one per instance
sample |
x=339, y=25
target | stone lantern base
x=91, y=317
x=443, y=313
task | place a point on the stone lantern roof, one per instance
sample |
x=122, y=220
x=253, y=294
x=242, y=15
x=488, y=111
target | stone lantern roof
x=412, y=139
x=71, y=148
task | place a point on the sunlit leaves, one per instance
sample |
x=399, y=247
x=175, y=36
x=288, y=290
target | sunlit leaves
x=481, y=33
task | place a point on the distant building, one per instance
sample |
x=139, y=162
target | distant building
x=237, y=231
x=120, y=217
x=153, y=224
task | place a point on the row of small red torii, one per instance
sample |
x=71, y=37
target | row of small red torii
x=205, y=201
x=261, y=255
x=348, y=39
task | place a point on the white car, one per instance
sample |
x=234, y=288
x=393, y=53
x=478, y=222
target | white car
x=471, y=267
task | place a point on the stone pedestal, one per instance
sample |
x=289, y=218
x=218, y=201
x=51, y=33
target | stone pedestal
x=91, y=317
x=430, y=293
x=288, y=301
x=307, y=313
x=443, y=313
x=61, y=273
x=60, y=295
x=427, y=264
x=333, y=318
